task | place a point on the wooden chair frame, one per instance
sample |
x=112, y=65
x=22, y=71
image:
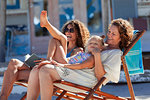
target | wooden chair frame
x=61, y=93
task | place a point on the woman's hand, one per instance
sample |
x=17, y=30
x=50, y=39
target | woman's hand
x=57, y=64
x=43, y=63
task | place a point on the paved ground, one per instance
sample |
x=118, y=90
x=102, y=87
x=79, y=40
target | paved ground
x=142, y=91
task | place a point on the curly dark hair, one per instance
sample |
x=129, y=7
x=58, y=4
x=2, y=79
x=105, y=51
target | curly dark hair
x=126, y=31
x=82, y=32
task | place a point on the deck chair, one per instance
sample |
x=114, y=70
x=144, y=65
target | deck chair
x=84, y=93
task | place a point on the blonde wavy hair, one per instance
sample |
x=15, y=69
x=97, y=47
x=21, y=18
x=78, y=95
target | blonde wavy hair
x=126, y=31
x=99, y=39
x=83, y=33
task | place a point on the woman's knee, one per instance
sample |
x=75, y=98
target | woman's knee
x=43, y=70
x=46, y=70
x=15, y=61
x=54, y=41
x=13, y=64
x=49, y=71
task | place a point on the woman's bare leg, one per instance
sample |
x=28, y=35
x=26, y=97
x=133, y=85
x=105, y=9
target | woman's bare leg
x=56, y=51
x=47, y=75
x=10, y=76
x=33, y=85
x=51, y=48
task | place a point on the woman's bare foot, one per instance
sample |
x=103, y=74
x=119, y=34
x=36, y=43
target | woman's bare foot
x=43, y=19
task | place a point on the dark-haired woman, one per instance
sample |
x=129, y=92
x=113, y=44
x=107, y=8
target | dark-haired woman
x=77, y=35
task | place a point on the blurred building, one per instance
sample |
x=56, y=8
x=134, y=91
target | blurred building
x=24, y=34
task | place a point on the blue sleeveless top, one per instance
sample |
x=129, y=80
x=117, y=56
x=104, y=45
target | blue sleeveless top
x=69, y=54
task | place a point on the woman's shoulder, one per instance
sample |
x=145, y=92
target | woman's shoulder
x=113, y=51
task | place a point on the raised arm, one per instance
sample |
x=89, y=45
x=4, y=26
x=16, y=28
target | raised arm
x=52, y=30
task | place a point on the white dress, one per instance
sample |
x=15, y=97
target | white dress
x=111, y=60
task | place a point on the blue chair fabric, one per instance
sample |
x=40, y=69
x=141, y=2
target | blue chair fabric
x=134, y=59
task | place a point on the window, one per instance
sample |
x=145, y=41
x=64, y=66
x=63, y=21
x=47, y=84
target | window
x=65, y=11
x=94, y=15
x=13, y=4
x=143, y=7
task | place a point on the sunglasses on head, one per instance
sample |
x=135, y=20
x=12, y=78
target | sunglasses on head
x=71, y=30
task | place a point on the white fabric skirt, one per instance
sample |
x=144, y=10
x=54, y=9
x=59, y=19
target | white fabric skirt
x=85, y=77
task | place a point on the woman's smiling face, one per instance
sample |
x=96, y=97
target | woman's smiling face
x=71, y=33
x=113, y=36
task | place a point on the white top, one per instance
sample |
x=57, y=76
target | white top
x=111, y=60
